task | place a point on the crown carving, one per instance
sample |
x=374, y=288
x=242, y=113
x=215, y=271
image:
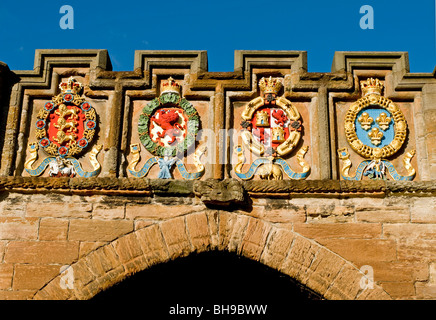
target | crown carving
x=270, y=85
x=383, y=121
x=371, y=86
x=262, y=119
x=169, y=85
x=365, y=121
x=278, y=134
x=375, y=135
x=70, y=86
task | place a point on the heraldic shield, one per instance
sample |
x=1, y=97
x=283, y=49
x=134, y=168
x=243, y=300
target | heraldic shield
x=271, y=129
x=65, y=127
x=167, y=128
x=375, y=129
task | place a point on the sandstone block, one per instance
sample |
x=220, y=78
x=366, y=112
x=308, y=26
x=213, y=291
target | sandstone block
x=416, y=249
x=59, y=210
x=283, y=215
x=391, y=214
x=102, y=260
x=16, y=294
x=53, y=229
x=33, y=277
x=127, y=247
x=198, y=230
x=63, y=252
x=425, y=291
x=299, y=258
x=408, y=231
x=17, y=228
x=399, y=290
x=362, y=251
x=176, y=239
x=254, y=239
x=323, y=270
x=152, y=244
x=329, y=213
x=98, y=230
x=277, y=247
x=340, y=230
x=346, y=286
x=108, y=211
x=231, y=231
x=158, y=211
x=6, y=273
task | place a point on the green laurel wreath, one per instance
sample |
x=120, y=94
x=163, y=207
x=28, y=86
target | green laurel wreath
x=168, y=100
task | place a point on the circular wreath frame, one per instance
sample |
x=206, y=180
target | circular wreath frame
x=168, y=100
x=400, y=126
x=42, y=134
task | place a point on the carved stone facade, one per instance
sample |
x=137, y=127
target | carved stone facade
x=170, y=159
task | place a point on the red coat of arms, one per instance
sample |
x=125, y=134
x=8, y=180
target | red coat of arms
x=66, y=125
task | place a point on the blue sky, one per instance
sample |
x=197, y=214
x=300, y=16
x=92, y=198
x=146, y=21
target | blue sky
x=220, y=27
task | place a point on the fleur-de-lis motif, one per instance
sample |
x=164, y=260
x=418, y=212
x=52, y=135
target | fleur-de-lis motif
x=365, y=121
x=383, y=121
x=375, y=135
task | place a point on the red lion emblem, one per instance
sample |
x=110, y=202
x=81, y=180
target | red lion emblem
x=280, y=117
x=168, y=121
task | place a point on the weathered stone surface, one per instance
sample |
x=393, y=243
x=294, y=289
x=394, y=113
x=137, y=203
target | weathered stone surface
x=59, y=210
x=176, y=239
x=220, y=193
x=340, y=230
x=362, y=251
x=254, y=239
x=16, y=228
x=277, y=247
x=53, y=229
x=98, y=230
x=127, y=247
x=158, y=211
x=198, y=231
x=152, y=244
x=30, y=276
x=63, y=252
x=6, y=274
x=390, y=214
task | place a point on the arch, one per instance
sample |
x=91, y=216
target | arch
x=304, y=260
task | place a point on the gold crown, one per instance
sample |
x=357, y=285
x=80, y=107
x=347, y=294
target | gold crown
x=271, y=85
x=169, y=85
x=262, y=119
x=70, y=86
x=371, y=86
x=278, y=134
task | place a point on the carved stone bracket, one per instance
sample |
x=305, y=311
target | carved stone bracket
x=219, y=193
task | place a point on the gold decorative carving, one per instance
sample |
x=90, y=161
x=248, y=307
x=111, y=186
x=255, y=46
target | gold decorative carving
x=365, y=121
x=371, y=89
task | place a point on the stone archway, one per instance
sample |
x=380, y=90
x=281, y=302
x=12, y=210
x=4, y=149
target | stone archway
x=309, y=263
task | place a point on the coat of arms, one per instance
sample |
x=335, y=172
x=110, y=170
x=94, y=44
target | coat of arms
x=271, y=129
x=65, y=127
x=376, y=129
x=167, y=128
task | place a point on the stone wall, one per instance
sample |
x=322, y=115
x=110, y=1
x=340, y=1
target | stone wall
x=320, y=231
